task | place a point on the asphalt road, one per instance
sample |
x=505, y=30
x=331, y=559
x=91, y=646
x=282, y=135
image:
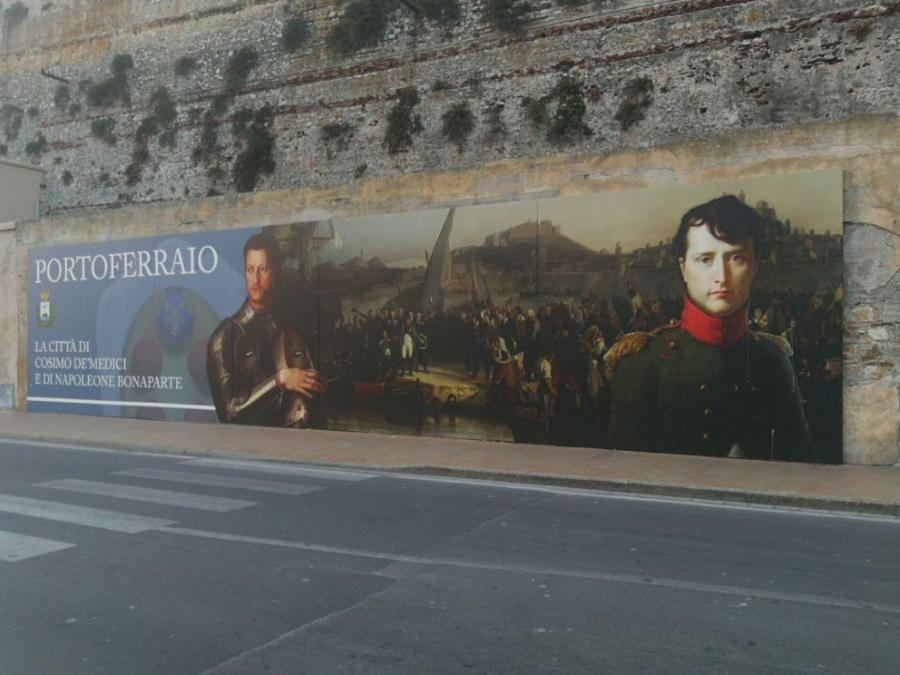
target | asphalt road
x=135, y=563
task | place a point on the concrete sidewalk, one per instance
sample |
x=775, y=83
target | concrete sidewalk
x=845, y=488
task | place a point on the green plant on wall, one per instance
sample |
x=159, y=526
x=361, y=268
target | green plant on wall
x=493, y=122
x=185, y=66
x=257, y=145
x=239, y=66
x=442, y=12
x=160, y=122
x=362, y=25
x=114, y=88
x=637, y=95
x=103, y=129
x=458, y=124
x=401, y=122
x=61, y=97
x=567, y=122
x=14, y=15
x=336, y=137
x=37, y=147
x=12, y=120
x=560, y=113
x=510, y=16
x=295, y=34
x=67, y=177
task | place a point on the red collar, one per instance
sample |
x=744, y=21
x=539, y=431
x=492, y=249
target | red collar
x=712, y=330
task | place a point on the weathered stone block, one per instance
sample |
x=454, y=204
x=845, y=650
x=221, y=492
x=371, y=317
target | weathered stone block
x=871, y=423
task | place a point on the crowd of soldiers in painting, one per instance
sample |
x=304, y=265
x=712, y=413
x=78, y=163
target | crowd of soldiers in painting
x=545, y=366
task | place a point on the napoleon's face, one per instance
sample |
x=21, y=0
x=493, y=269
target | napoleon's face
x=718, y=274
x=259, y=278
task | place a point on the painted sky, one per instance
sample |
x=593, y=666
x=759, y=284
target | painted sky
x=632, y=217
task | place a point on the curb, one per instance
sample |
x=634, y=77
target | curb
x=620, y=486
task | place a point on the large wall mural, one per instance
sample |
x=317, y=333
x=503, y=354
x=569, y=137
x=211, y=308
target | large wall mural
x=704, y=319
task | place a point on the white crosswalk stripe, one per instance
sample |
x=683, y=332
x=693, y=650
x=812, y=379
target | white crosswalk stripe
x=277, y=487
x=80, y=515
x=282, y=469
x=16, y=547
x=140, y=494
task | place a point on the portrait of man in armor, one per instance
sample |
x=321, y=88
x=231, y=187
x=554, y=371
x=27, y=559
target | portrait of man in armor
x=258, y=363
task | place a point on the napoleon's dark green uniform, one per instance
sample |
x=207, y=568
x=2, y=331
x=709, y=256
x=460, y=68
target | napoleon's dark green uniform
x=671, y=392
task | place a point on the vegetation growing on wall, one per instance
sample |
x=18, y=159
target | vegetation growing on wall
x=37, y=147
x=458, y=124
x=14, y=15
x=239, y=67
x=510, y=16
x=336, y=137
x=114, y=88
x=295, y=34
x=33, y=111
x=3, y=149
x=567, y=122
x=493, y=122
x=861, y=30
x=67, y=177
x=257, y=144
x=11, y=115
x=443, y=12
x=401, y=122
x=160, y=122
x=559, y=113
x=61, y=97
x=574, y=3
x=74, y=109
x=362, y=25
x=637, y=95
x=103, y=129
x=185, y=66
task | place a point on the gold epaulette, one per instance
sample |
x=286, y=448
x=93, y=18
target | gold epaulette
x=776, y=340
x=632, y=343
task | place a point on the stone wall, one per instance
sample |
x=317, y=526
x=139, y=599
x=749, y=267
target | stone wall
x=171, y=103
x=630, y=74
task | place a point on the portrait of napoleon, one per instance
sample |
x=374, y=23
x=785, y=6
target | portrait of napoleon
x=258, y=363
x=706, y=384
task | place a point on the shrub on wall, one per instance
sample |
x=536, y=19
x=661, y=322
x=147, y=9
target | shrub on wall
x=115, y=87
x=362, y=25
x=103, y=130
x=14, y=14
x=567, y=123
x=401, y=122
x=239, y=67
x=295, y=34
x=336, y=137
x=506, y=15
x=61, y=97
x=443, y=12
x=637, y=95
x=185, y=66
x=11, y=115
x=257, y=149
x=37, y=147
x=458, y=123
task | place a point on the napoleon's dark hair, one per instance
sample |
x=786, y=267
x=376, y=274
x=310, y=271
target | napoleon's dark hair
x=728, y=219
x=262, y=241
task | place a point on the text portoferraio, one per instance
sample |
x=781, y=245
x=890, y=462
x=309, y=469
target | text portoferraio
x=126, y=265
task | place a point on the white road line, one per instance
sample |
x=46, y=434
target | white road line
x=595, y=575
x=139, y=494
x=282, y=469
x=16, y=547
x=255, y=485
x=80, y=515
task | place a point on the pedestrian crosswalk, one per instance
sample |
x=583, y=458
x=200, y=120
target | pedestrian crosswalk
x=15, y=547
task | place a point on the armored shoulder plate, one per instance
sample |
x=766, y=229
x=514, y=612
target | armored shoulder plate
x=783, y=345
